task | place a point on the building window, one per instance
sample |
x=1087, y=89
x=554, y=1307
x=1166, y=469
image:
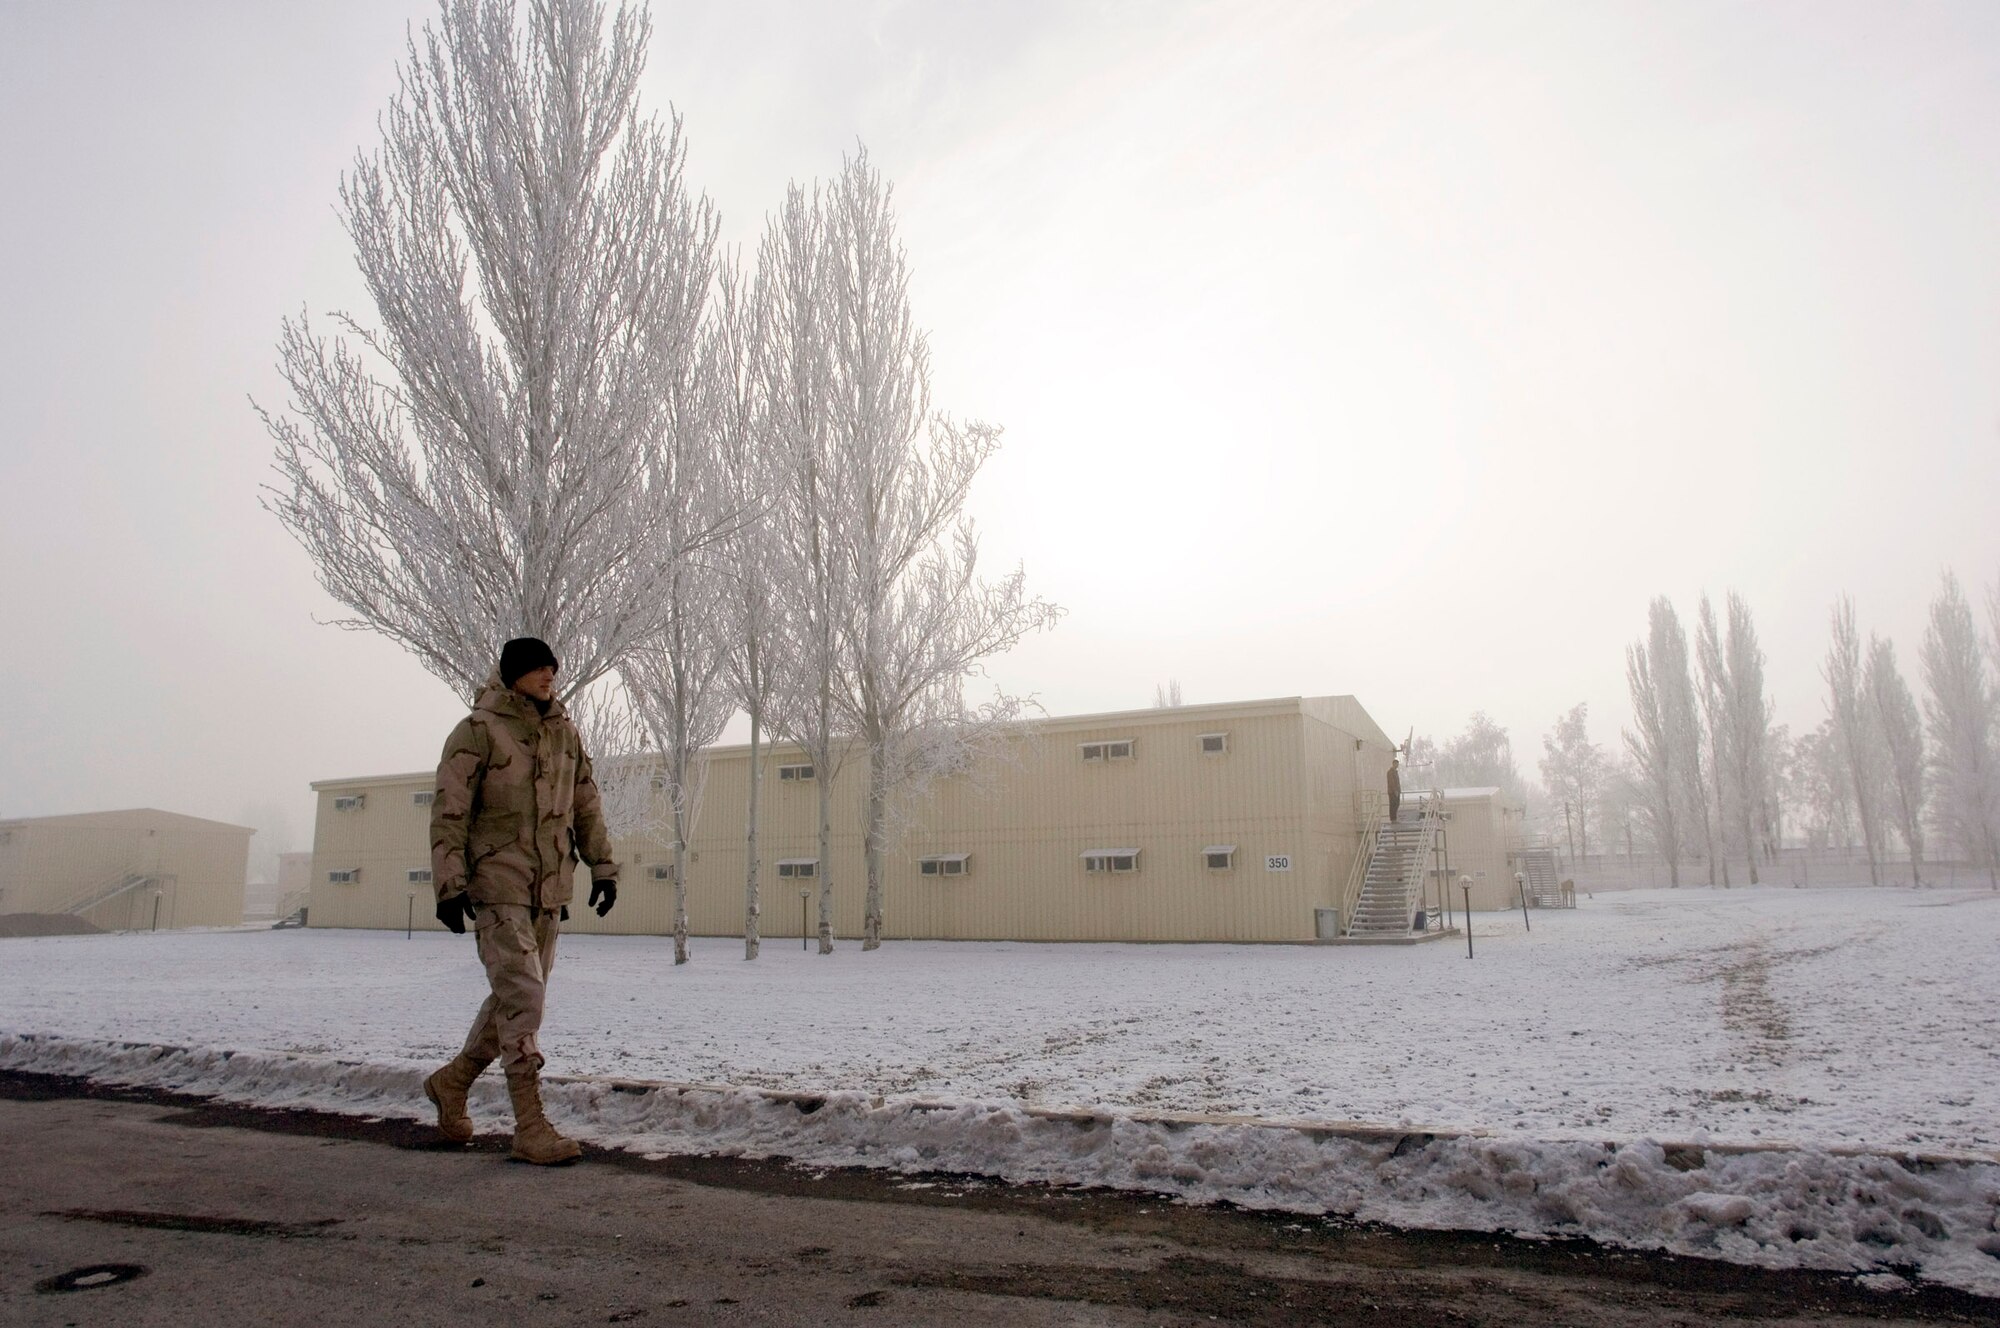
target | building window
x=352, y=802
x=945, y=864
x=1214, y=744
x=795, y=772
x=797, y=868
x=662, y=871
x=420, y=876
x=424, y=799
x=343, y=876
x=1219, y=857
x=1120, y=750
x=1111, y=860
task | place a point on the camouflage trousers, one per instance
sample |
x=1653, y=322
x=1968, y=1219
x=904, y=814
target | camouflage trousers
x=517, y=945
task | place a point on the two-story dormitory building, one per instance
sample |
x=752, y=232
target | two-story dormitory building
x=1195, y=823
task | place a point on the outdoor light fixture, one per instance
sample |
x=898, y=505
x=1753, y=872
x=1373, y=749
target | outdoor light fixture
x=1521, y=884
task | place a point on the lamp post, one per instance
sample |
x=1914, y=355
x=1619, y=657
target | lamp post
x=1465, y=884
x=410, y=920
x=1521, y=884
x=804, y=895
x=156, y=908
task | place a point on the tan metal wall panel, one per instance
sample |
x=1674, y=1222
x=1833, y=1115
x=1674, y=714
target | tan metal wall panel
x=1481, y=834
x=1284, y=786
x=49, y=864
x=386, y=838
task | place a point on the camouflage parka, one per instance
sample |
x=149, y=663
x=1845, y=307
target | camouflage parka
x=516, y=806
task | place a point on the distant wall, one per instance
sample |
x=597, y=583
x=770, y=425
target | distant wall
x=142, y=866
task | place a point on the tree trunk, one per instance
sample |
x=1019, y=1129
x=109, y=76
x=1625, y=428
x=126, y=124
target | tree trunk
x=680, y=892
x=871, y=922
x=751, y=907
x=825, y=865
x=682, y=810
x=1867, y=819
x=823, y=777
x=1712, y=834
x=1749, y=839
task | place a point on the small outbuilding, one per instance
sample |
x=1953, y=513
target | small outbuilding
x=126, y=870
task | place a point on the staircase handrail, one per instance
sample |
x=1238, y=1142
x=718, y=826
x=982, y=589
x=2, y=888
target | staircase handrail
x=105, y=892
x=1357, y=872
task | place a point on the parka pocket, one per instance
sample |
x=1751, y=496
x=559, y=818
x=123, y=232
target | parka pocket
x=492, y=832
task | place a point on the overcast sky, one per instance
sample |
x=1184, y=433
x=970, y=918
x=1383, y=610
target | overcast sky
x=1404, y=350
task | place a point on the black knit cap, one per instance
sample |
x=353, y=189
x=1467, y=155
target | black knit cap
x=525, y=654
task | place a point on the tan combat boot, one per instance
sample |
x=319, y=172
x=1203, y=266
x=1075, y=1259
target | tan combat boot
x=446, y=1089
x=535, y=1140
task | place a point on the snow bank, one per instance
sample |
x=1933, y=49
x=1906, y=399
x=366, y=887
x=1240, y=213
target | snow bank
x=1932, y=1214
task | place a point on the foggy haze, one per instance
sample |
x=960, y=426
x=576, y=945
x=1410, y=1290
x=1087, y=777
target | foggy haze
x=1404, y=351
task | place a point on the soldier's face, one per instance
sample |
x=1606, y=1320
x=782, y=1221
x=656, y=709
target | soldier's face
x=538, y=683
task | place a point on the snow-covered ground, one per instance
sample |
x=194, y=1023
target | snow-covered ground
x=1842, y=1026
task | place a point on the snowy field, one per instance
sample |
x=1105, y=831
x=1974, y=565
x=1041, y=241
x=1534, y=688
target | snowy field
x=1783, y=1028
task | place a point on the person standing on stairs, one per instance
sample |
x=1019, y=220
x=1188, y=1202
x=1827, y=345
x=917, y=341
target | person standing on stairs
x=1395, y=790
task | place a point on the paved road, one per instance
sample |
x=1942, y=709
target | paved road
x=218, y=1216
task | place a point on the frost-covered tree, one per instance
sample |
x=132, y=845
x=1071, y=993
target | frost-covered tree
x=1780, y=767
x=1167, y=695
x=818, y=599
x=676, y=677
x=1712, y=678
x=1823, y=789
x=632, y=795
x=1857, y=733
x=1420, y=762
x=1573, y=767
x=752, y=558
x=924, y=619
x=1667, y=747
x=1959, y=717
x=1739, y=715
x=1902, y=728
x=1675, y=679
x=1649, y=745
x=677, y=686
x=473, y=466
x=1481, y=756
x=1620, y=817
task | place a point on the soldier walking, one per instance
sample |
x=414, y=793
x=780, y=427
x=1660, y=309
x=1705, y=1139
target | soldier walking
x=516, y=808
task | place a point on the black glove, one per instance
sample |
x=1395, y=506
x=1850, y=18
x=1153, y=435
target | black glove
x=453, y=910
x=609, y=890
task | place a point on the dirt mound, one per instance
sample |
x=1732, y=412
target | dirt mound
x=44, y=924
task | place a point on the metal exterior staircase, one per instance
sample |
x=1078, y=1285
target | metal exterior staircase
x=104, y=894
x=1543, y=886
x=1393, y=887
